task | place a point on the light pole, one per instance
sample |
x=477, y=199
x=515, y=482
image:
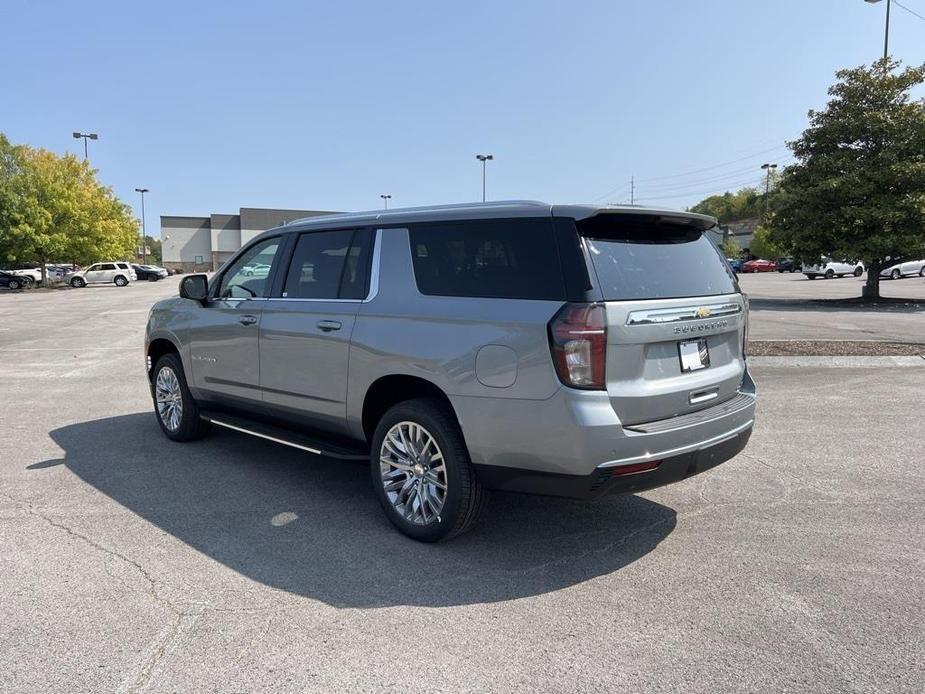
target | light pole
x=886, y=32
x=86, y=136
x=484, y=158
x=767, y=186
x=144, y=235
x=385, y=199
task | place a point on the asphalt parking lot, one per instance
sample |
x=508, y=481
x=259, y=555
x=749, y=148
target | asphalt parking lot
x=784, y=306
x=130, y=563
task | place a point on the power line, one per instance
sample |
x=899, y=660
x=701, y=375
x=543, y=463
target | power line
x=715, y=166
x=912, y=12
x=700, y=182
x=705, y=193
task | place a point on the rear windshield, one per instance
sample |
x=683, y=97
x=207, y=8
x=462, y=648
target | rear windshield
x=641, y=258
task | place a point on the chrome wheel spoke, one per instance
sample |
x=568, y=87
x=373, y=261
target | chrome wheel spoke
x=169, y=398
x=413, y=472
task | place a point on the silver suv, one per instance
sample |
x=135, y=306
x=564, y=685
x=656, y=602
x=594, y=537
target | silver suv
x=561, y=350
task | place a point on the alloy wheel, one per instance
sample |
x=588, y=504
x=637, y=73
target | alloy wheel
x=169, y=398
x=413, y=473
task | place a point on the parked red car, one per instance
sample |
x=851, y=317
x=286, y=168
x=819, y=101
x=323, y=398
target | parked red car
x=759, y=266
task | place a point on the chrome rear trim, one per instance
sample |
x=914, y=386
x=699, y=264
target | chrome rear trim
x=657, y=316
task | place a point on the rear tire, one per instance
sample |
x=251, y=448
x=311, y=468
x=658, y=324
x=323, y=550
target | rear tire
x=153, y=278
x=120, y=281
x=15, y=284
x=922, y=271
x=829, y=274
x=436, y=453
x=172, y=397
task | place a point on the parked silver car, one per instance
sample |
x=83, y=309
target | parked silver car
x=908, y=268
x=102, y=273
x=560, y=350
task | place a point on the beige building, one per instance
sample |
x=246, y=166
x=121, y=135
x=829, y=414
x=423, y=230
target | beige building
x=202, y=244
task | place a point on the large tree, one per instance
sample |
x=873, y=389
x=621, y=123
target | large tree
x=53, y=209
x=857, y=191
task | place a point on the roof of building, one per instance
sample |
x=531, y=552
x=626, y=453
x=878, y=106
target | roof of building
x=492, y=210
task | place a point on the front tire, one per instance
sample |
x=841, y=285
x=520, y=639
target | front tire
x=895, y=275
x=830, y=274
x=421, y=471
x=176, y=411
x=858, y=271
x=15, y=284
x=78, y=283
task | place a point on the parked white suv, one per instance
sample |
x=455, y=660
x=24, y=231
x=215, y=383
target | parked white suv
x=829, y=268
x=102, y=273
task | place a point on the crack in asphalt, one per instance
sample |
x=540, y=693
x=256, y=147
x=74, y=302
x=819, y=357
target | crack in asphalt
x=165, y=637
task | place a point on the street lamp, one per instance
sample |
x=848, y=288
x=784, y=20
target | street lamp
x=484, y=158
x=144, y=235
x=385, y=199
x=886, y=32
x=767, y=185
x=86, y=136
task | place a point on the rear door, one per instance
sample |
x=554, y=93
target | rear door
x=675, y=317
x=305, y=331
x=105, y=273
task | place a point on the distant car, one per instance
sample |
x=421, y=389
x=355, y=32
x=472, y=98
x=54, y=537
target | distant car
x=787, y=264
x=759, y=266
x=152, y=273
x=11, y=281
x=100, y=273
x=735, y=264
x=829, y=269
x=256, y=270
x=910, y=268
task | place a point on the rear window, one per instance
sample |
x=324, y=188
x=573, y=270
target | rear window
x=510, y=259
x=647, y=258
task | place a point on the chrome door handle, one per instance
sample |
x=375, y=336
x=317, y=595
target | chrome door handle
x=247, y=320
x=328, y=325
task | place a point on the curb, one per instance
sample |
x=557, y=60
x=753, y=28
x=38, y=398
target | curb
x=839, y=362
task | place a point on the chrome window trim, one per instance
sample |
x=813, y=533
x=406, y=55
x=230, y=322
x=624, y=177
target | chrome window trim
x=660, y=316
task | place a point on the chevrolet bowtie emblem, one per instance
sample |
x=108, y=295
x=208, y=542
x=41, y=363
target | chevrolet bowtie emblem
x=703, y=312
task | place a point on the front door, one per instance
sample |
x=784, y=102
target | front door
x=223, y=334
x=305, y=332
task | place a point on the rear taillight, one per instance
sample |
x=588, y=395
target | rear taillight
x=745, y=327
x=578, y=340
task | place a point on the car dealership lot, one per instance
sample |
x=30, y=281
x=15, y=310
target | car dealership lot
x=783, y=307
x=129, y=563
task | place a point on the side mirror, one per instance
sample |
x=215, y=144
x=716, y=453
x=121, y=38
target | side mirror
x=195, y=287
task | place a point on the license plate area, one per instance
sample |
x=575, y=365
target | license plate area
x=694, y=355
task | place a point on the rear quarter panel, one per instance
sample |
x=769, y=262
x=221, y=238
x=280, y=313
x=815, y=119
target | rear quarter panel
x=438, y=339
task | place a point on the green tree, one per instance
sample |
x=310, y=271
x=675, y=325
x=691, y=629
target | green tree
x=53, y=208
x=857, y=190
x=154, y=245
x=731, y=248
x=762, y=246
x=746, y=203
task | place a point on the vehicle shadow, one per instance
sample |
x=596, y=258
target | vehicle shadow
x=312, y=526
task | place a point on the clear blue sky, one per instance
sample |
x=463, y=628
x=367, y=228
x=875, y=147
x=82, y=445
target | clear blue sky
x=326, y=105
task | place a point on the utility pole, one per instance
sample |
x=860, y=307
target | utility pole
x=886, y=31
x=86, y=136
x=144, y=235
x=767, y=188
x=385, y=198
x=484, y=158
x=632, y=190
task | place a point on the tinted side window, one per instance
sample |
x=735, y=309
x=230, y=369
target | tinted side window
x=510, y=259
x=107, y=266
x=329, y=265
x=246, y=278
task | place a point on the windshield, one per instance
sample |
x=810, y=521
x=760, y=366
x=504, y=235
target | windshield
x=652, y=259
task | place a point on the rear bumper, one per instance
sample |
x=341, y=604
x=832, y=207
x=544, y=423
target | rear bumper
x=608, y=480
